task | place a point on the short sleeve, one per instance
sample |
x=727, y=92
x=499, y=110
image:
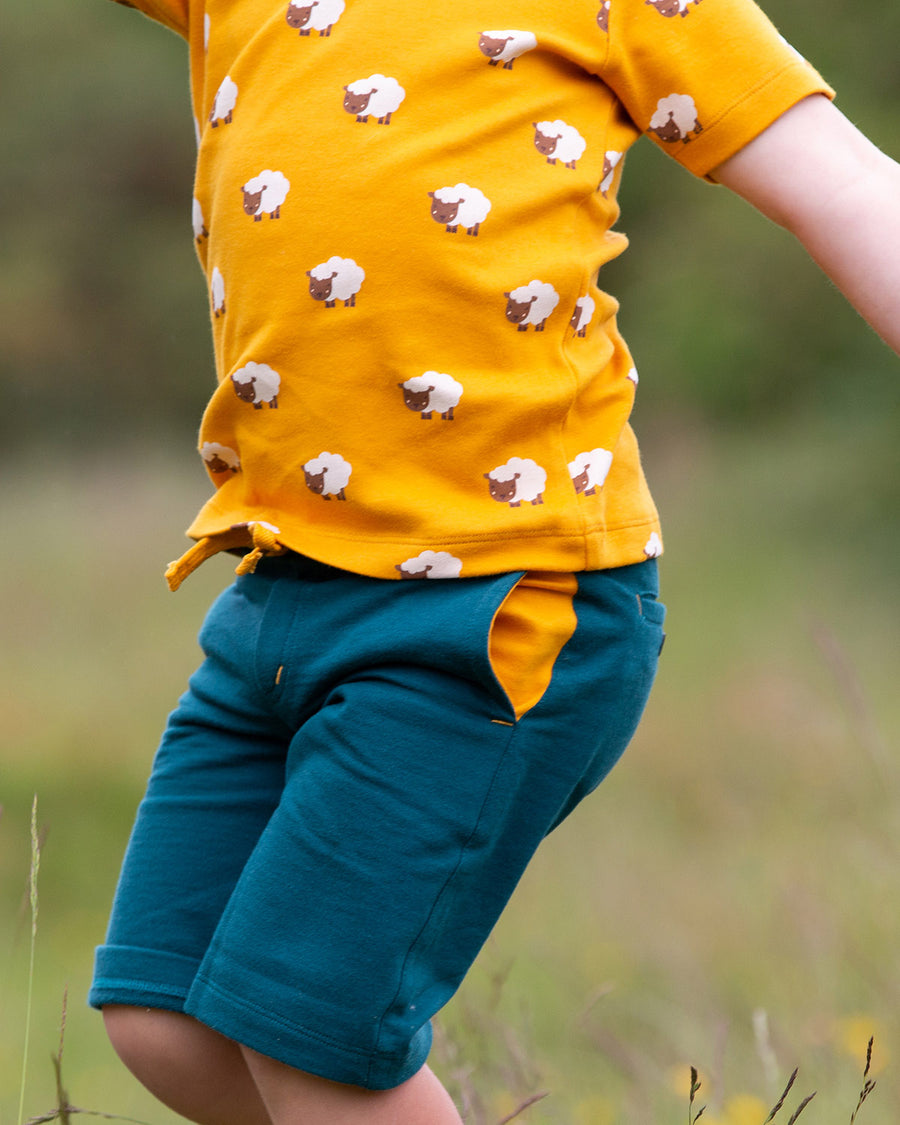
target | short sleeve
x=702, y=78
x=172, y=13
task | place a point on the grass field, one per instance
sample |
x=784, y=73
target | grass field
x=727, y=899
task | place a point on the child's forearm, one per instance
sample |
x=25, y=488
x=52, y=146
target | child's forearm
x=816, y=175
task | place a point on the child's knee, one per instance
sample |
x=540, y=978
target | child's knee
x=128, y=1029
x=186, y=1065
x=151, y=1041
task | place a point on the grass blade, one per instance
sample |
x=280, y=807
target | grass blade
x=525, y=1105
x=695, y=1089
x=868, y=1083
x=781, y=1100
x=800, y=1108
x=33, y=898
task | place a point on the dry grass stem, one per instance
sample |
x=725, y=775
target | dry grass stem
x=525, y=1105
x=777, y=1107
x=764, y=1049
x=800, y=1108
x=33, y=900
x=695, y=1089
x=64, y=1109
x=868, y=1083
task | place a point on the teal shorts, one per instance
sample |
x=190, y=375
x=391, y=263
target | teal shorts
x=345, y=798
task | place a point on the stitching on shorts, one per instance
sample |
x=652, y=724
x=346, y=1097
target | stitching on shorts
x=437, y=898
x=271, y=685
x=275, y=1018
x=111, y=984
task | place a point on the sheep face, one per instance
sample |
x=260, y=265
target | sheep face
x=215, y=464
x=545, y=145
x=320, y=288
x=315, y=482
x=357, y=103
x=669, y=132
x=252, y=200
x=492, y=48
x=503, y=491
x=246, y=392
x=423, y=573
x=442, y=211
x=517, y=311
x=582, y=480
x=298, y=17
x=416, y=400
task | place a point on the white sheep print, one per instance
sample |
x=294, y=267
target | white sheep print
x=420, y=373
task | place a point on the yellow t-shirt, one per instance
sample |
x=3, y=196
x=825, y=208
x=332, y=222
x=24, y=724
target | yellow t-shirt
x=402, y=212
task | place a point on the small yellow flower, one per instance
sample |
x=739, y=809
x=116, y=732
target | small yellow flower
x=680, y=1082
x=741, y=1109
x=852, y=1035
x=594, y=1110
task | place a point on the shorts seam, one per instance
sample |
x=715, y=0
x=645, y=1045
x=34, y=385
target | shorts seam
x=513, y=729
x=289, y=1025
x=113, y=984
x=269, y=688
x=118, y=984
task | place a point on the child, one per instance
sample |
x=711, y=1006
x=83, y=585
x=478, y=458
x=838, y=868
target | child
x=402, y=212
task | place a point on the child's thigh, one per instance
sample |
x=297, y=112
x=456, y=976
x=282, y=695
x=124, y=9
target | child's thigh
x=414, y=799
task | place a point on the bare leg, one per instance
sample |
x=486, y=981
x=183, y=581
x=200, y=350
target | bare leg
x=189, y=1067
x=293, y=1097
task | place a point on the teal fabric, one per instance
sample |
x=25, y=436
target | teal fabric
x=343, y=802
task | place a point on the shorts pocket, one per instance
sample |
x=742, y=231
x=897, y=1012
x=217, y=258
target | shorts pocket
x=533, y=624
x=653, y=614
x=652, y=610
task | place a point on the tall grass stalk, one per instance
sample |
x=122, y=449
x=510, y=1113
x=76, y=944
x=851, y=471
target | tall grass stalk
x=695, y=1089
x=64, y=1110
x=868, y=1083
x=33, y=897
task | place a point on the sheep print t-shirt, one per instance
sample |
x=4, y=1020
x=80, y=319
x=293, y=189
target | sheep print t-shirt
x=402, y=212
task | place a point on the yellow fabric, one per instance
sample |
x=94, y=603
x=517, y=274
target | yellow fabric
x=259, y=538
x=401, y=213
x=528, y=633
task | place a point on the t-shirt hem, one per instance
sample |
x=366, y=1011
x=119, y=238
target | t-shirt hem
x=453, y=556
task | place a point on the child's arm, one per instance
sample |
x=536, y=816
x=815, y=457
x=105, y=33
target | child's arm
x=815, y=174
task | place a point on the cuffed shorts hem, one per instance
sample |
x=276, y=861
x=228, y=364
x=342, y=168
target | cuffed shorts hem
x=145, y=978
x=314, y=1052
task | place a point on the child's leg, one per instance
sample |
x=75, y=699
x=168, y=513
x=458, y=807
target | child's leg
x=213, y=1081
x=189, y=1068
x=292, y=1096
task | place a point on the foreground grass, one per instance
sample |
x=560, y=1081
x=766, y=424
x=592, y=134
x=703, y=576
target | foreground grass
x=723, y=900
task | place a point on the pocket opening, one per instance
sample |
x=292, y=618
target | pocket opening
x=531, y=627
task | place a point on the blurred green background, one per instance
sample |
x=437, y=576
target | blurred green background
x=742, y=859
